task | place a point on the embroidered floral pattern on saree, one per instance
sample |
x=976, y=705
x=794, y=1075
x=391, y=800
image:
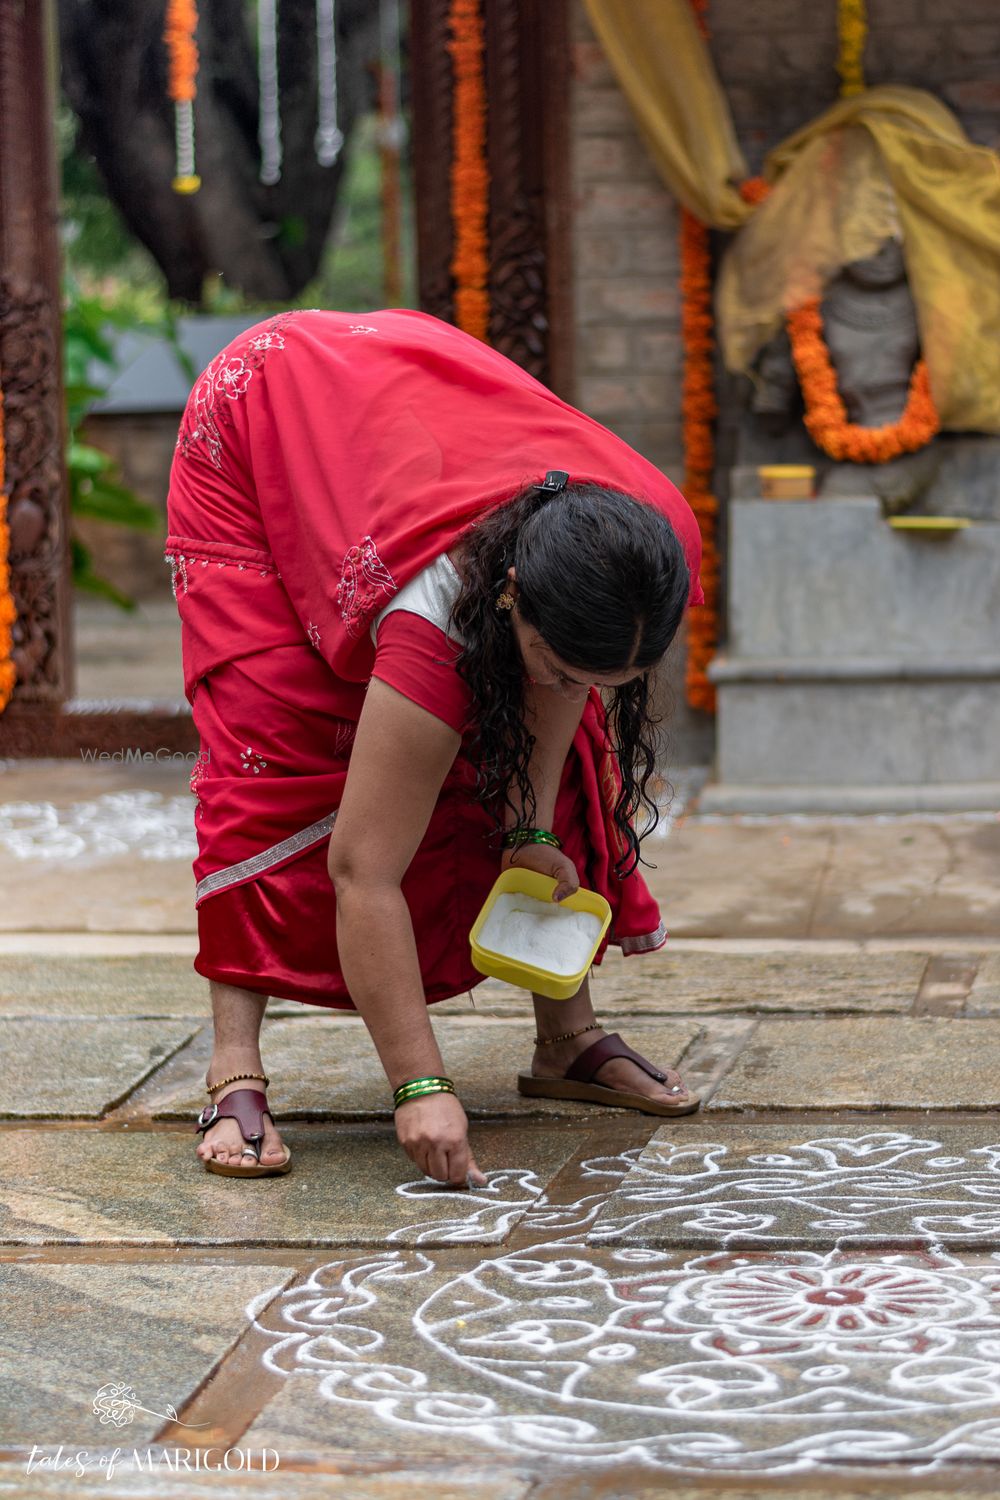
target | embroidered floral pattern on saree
x=365, y=585
x=226, y=379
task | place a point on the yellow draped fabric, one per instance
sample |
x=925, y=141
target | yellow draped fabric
x=888, y=161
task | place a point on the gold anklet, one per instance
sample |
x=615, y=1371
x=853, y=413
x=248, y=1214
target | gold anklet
x=210, y=1088
x=546, y=1041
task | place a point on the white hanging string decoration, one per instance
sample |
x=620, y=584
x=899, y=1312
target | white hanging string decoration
x=180, y=26
x=329, y=138
x=186, y=180
x=269, y=132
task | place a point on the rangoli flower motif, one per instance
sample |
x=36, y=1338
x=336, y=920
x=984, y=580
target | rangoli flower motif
x=836, y=1301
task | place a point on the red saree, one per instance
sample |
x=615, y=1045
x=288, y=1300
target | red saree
x=323, y=460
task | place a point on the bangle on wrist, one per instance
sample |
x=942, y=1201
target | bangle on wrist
x=515, y=837
x=416, y=1088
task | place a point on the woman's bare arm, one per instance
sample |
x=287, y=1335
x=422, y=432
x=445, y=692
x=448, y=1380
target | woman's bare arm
x=553, y=720
x=400, y=758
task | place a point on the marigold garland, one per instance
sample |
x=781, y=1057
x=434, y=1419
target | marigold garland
x=182, y=50
x=698, y=409
x=825, y=414
x=8, y=612
x=470, y=184
x=852, y=34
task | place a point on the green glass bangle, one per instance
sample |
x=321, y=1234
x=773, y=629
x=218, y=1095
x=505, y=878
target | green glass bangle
x=415, y=1088
x=514, y=838
x=422, y=1088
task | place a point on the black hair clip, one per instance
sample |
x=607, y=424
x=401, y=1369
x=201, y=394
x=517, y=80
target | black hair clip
x=555, y=480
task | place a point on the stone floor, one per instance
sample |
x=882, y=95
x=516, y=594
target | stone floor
x=795, y=1291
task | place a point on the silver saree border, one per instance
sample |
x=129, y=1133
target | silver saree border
x=220, y=880
x=644, y=944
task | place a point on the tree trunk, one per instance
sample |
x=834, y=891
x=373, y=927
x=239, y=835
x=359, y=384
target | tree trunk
x=265, y=241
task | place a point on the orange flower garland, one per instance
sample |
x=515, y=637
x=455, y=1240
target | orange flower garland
x=826, y=416
x=470, y=184
x=8, y=612
x=699, y=408
x=179, y=35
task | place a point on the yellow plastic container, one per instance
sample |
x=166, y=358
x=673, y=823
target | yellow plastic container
x=787, y=481
x=541, y=981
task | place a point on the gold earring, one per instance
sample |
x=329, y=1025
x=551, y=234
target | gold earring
x=505, y=600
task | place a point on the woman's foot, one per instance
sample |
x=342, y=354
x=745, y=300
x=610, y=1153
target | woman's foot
x=223, y=1139
x=552, y=1061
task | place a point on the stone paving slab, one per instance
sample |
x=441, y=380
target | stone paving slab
x=700, y=1367
x=701, y=879
x=69, y=1330
x=348, y=1186
x=866, y=1062
x=666, y=983
x=797, y=877
x=129, y=1483
x=328, y=1067
x=911, y=876
x=984, y=997
x=716, y=877
x=116, y=895
x=146, y=984
x=76, y=835
x=884, y=1483
x=79, y=1068
x=810, y=1187
x=39, y=984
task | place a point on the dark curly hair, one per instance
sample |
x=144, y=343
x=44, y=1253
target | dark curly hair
x=603, y=579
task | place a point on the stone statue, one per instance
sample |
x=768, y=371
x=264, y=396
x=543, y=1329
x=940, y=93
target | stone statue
x=870, y=326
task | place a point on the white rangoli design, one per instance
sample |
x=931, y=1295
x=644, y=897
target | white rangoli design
x=776, y=1362
x=145, y=823
x=878, y=1187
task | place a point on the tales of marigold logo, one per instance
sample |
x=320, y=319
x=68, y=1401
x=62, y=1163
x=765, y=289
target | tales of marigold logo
x=116, y=1404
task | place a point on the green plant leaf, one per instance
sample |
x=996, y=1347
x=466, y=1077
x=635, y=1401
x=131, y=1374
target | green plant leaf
x=115, y=503
x=84, y=459
x=85, y=578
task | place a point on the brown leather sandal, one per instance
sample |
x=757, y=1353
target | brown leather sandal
x=577, y=1083
x=248, y=1108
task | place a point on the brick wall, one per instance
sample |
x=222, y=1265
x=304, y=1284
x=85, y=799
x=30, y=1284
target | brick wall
x=627, y=350
x=776, y=60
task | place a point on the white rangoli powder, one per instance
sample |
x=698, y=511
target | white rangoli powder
x=541, y=933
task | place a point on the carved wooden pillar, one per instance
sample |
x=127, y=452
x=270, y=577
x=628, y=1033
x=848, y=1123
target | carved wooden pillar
x=527, y=83
x=30, y=366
